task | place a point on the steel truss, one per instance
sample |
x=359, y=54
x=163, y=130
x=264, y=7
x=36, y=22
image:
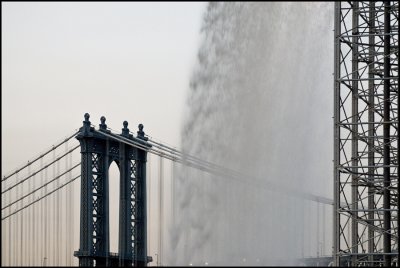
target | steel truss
x=366, y=136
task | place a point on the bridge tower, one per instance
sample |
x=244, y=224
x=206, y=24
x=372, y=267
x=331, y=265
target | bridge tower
x=366, y=133
x=97, y=153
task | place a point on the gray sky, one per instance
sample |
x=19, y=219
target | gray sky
x=124, y=60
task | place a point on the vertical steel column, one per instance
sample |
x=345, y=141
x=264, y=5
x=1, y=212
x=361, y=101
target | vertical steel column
x=140, y=247
x=366, y=125
x=124, y=241
x=398, y=163
x=133, y=215
x=354, y=134
x=106, y=196
x=86, y=208
x=336, y=136
x=386, y=139
x=371, y=130
x=398, y=147
x=93, y=233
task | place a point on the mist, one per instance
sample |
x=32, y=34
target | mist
x=260, y=103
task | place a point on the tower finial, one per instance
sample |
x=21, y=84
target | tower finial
x=103, y=125
x=140, y=133
x=86, y=124
x=125, y=130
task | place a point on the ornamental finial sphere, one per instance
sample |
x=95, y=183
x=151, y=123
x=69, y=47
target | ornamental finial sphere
x=87, y=116
x=140, y=127
x=125, y=124
x=102, y=119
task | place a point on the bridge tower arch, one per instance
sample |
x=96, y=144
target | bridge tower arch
x=98, y=151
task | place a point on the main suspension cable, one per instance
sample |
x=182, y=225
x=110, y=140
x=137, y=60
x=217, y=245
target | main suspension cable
x=41, y=155
x=41, y=169
x=37, y=200
x=44, y=185
x=201, y=165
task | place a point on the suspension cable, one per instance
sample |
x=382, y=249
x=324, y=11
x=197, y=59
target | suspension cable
x=183, y=155
x=162, y=151
x=41, y=169
x=41, y=156
x=213, y=170
x=44, y=185
x=165, y=154
x=37, y=200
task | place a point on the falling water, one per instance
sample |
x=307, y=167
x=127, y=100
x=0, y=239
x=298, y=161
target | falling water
x=260, y=102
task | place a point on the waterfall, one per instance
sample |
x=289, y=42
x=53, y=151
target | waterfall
x=261, y=103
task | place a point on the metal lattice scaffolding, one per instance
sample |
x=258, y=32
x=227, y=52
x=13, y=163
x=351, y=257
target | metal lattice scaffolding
x=366, y=136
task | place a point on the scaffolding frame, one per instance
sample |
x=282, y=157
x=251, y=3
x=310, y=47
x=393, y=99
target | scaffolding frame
x=366, y=136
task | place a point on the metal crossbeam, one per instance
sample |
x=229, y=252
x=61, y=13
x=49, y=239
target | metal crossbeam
x=366, y=135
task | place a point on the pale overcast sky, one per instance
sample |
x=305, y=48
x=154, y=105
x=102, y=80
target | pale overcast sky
x=124, y=60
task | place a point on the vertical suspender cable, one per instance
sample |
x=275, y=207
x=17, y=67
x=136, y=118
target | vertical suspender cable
x=19, y=226
x=34, y=233
x=52, y=233
x=6, y=228
x=9, y=235
x=14, y=238
x=28, y=240
x=42, y=248
x=149, y=209
x=310, y=221
x=172, y=221
x=45, y=254
x=170, y=207
x=57, y=222
x=318, y=251
x=323, y=230
x=172, y=200
x=68, y=200
x=301, y=227
x=302, y=218
x=160, y=185
x=71, y=202
x=3, y=232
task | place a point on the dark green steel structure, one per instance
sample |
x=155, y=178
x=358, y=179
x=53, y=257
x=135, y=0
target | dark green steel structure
x=98, y=151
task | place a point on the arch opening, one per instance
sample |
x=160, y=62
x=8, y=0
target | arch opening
x=114, y=194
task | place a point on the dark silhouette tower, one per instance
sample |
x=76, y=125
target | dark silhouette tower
x=99, y=148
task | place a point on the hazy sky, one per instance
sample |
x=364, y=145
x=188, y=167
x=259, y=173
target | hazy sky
x=124, y=60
